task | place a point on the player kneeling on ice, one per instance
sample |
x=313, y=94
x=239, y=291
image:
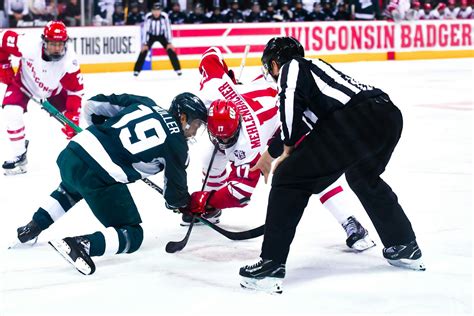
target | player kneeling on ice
x=131, y=138
x=354, y=129
x=48, y=70
x=242, y=126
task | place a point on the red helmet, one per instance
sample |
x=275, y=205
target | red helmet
x=416, y=4
x=441, y=6
x=55, y=31
x=223, y=123
x=427, y=6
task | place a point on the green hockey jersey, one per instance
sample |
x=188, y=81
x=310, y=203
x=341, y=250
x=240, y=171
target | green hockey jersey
x=136, y=139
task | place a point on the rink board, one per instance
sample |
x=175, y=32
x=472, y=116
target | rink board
x=115, y=48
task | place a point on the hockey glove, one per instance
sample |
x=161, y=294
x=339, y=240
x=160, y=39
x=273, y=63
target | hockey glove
x=68, y=130
x=6, y=73
x=199, y=202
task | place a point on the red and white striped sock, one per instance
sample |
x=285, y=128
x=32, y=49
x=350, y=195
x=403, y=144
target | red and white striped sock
x=334, y=199
x=15, y=128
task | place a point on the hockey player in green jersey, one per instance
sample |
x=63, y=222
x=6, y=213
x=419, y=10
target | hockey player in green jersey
x=129, y=138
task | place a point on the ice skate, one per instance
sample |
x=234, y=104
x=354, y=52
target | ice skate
x=28, y=232
x=16, y=165
x=76, y=251
x=27, y=236
x=405, y=256
x=265, y=275
x=212, y=216
x=357, y=236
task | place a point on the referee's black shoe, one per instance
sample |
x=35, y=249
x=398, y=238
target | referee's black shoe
x=405, y=256
x=265, y=275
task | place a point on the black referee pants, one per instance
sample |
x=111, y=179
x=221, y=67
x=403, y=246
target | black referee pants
x=164, y=42
x=358, y=141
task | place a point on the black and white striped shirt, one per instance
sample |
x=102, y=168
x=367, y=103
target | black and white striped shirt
x=311, y=90
x=156, y=27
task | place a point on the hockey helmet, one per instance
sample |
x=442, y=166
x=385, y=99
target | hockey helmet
x=223, y=123
x=281, y=50
x=54, y=32
x=157, y=6
x=189, y=104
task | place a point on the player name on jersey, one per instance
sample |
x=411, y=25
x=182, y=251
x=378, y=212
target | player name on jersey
x=228, y=93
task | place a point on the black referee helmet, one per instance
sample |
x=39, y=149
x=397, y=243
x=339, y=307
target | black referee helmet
x=281, y=50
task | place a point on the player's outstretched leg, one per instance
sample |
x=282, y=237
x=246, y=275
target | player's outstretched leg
x=265, y=275
x=76, y=251
x=17, y=165
x=405, y=256
x=357, y=236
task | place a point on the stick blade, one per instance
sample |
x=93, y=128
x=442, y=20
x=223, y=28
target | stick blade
x=174, y=246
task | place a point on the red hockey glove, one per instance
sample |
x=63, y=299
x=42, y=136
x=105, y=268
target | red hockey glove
x=68, y=130
x=198, y=203
x=6, y=73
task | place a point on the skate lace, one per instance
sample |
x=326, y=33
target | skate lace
x=255, y=265
x=85, y=243
x=14, y=160
x=351, y=226
x=19, y=157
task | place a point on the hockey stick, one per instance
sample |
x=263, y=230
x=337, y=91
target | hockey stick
x=243, y=235
x=174, y=246
x=242, y=64
x=48, y=107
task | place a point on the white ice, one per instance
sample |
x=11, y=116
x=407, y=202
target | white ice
x=431, y=172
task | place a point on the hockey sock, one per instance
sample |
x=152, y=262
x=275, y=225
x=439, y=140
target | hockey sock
x=15, y=128
x=334, y=199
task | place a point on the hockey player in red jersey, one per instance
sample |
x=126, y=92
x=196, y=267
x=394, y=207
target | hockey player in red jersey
x=49, y=70
x=242, y=120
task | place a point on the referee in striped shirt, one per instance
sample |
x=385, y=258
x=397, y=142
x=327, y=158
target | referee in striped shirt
x=157, y=28
x=331, y=125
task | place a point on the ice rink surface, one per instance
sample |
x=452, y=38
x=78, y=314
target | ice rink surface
x=431, y=172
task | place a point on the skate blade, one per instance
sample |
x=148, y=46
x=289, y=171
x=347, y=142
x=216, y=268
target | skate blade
x=416, y=265
x=64, y=250
x=267, y=285
x=363, y=244
x=198, y=223
x=15, y=171
x=20, y=245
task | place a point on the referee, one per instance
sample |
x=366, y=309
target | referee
x=331, y=125
x=157, y=28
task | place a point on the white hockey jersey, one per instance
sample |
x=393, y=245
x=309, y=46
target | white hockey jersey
x=256, y=103
x=41, y=78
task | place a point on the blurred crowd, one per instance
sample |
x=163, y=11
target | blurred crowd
x=29, y=13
